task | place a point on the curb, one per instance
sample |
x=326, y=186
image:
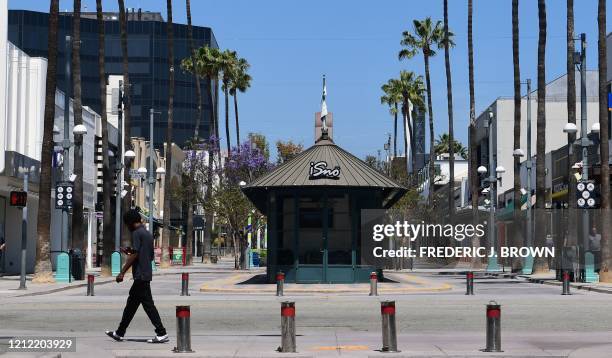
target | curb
x=572, y=285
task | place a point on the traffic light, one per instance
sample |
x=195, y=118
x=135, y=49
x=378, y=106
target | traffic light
x=586, y=194
x=19, y=198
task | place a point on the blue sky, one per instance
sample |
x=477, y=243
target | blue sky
x=290, y=44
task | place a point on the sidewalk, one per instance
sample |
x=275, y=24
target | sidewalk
x=9, y=285
x=550, y=279
x=403, y=283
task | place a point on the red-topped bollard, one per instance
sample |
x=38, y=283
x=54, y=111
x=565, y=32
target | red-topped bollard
x=90, y=285
x=493, y=327
x=287, y=327
x=566, y=283
x=469, y=283
x=185, y=284
x=373, y=284
x=183, y=330
x=389, y=332
x=280, y=283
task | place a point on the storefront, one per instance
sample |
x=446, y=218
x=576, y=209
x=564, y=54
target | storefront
x=313, y=204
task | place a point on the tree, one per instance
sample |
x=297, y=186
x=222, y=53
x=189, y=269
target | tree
x=517, y=104
x=127, y=105
x=239, y=82
x=426, y=36
x=260, y=141
x=205, y=63
x=77, y=211
x=411, y=89
x=107, y=225
x=227, y=62
x=449, y=98
x=165, y=259
x=287, y=151
x=571, y=118
x=473, y=144
x=196, y=76
x=606, y=264
x=43, y=271
x=540, y=263
x=443, y=146
x=392, y=98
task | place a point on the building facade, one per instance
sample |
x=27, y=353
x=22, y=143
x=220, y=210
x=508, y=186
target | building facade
x=148, y=65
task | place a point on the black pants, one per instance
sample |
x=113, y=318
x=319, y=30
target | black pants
x=140, y=293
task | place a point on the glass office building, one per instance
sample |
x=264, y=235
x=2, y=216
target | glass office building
x=148, y=65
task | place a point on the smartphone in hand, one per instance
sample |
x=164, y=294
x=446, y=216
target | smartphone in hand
x=127, y=250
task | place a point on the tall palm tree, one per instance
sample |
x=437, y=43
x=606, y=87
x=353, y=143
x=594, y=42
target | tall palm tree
x=107, y=225
x=449, y=98
x=198, y=118
x=426, y=35
x=517, y=105
x=571, y=118
x=77, y=211
x=540, y=263
x=239, y=82
x=392, y=98
x=472, y=145
x=606, y=264
x=228, y=60
x=43, y=271
x=165, y=261
x=205, y=62
x=127, y=105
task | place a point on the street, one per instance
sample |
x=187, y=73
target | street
x=535, y=318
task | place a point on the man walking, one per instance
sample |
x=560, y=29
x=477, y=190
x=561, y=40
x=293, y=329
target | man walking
x=139, y=259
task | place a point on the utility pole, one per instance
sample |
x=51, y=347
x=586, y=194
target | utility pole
x=151, y=178
x=119, y=171
x=24, y=233
x=492, y=264
x=584, y=140
x=66, y=143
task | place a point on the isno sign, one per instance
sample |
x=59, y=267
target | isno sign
x=319, y=170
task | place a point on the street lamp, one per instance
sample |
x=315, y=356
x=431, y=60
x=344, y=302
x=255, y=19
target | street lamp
x=492, y=264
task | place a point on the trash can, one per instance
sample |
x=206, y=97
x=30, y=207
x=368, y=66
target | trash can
x=77, y=264
x=255, y=259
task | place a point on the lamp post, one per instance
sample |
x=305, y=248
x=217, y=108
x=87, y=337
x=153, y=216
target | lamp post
x=492, y=264
x=528, y=261
x=151, y=179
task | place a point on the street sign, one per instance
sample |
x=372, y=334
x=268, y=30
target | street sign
x=586, y=194
x=63, y=195
x=19, y=198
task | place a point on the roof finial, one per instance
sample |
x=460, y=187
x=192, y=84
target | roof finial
x=324, y=107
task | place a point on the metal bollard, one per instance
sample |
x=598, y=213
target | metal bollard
x=183, y=330
x=287, y=327
x=493, y=327
x=389, y=332
x=185, y=284
x=566, y=283
x=280, y=283
x=373, y=284
x=469, y=282
x=90, y=285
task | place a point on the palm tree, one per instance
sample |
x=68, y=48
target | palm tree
x=426, y=36
x=165, y=262
x=473, y=145
x=198, y=118
x=517, y=105
x=228, y=62
x=571, y=118
x=43, y=271
x=77, y=213
x=449, y=97
x=443, y=146
x=540, y=263
x=605, y=275
x=392, y=98
x=239, y=82
x=127, y=105
x=107, y=226
x=205, y=63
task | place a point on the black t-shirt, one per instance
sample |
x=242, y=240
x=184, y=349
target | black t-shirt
x=142, y=242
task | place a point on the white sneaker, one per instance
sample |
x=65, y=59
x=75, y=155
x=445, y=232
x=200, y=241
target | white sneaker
x=159, y=339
